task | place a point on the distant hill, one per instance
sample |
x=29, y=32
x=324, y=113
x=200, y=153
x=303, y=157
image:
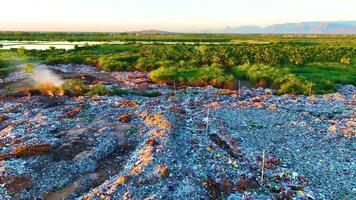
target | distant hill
x=342, y=27
x=148, y=32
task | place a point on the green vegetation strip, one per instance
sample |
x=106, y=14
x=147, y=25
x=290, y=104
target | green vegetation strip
x=76, y=87
x=298, y=65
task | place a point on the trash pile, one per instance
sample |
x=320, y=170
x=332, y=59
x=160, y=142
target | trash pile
x=189, y=143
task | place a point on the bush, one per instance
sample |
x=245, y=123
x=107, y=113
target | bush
x=277, y=78
x=292, y=85
x=29, y=68
x=118, y=91
x=192, y=76
x=74, y=87
x=110, y=64
x=116, y=62
x=5, y=71
x=345, y=60
x=146, y=64
x=3, y=63
x=98, y=89
x=121, y=92
x=5, y=68
x=148, y=93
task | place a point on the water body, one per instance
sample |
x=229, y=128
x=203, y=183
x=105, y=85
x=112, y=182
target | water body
x=43, y=45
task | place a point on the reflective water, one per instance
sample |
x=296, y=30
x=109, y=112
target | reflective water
x=43, y=45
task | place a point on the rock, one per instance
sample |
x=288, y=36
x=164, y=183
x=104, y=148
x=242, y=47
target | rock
x=16, y=184
x=272, y=107
x=230, y=92
x=5, y=156
x=226, y=186
x=31, y=150
x=3, y=118
x=333, y=129
x=212, y=187
x=213, y=105
x=152, y=142
x=128, y=103
x=156, y=120
x=121, y=180
x=72, y=112
x=77, y=131
x=271, y=162
x=83, y=154
x=125, y=118
x=246, y=183
x=233, y=151
x=162, y=170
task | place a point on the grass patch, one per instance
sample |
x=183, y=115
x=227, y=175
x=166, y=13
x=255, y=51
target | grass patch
x=193, y=76
x=74, y=87
x=4, y=71
x=276, y=77
x=121, y=92
x=326, y=76
x=98, y=89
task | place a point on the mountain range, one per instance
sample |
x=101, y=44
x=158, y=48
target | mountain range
x=341, y=27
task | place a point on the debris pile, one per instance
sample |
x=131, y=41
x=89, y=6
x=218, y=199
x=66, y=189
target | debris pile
x=192, y=143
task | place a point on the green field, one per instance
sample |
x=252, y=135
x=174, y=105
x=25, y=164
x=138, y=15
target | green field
x=300, y=64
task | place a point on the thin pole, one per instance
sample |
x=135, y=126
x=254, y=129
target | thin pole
x=174, y=87
x=239, y=88
x=207, y=121
x=263, y=165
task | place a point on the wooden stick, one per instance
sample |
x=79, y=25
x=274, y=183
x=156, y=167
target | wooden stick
x=310, y=88
x=174, y=87
x=239, y=88
x=207, y=122
x=263, y=165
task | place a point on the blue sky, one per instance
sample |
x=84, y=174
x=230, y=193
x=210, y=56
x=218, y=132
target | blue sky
x=172, y=15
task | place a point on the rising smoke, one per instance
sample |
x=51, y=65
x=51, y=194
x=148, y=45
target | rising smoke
x=41, y=75
x=45, y=81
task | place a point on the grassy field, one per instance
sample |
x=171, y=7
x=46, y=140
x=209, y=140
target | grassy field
x=289, y=63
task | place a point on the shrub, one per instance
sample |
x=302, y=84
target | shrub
x=5, y=67
x=148, y=94
x=29, y=68
x=74, y=59
x=5, y=71
x=292, y=85
x=74, y=87
x=98, y=89
x=269, y=76
x=146, y=64
x=112, y=65
x=3, y=63
x=193, y=76
x=121, y=92
x=345, y=60
x=116, y=62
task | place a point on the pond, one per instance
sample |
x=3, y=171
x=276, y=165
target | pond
x=43, y=45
